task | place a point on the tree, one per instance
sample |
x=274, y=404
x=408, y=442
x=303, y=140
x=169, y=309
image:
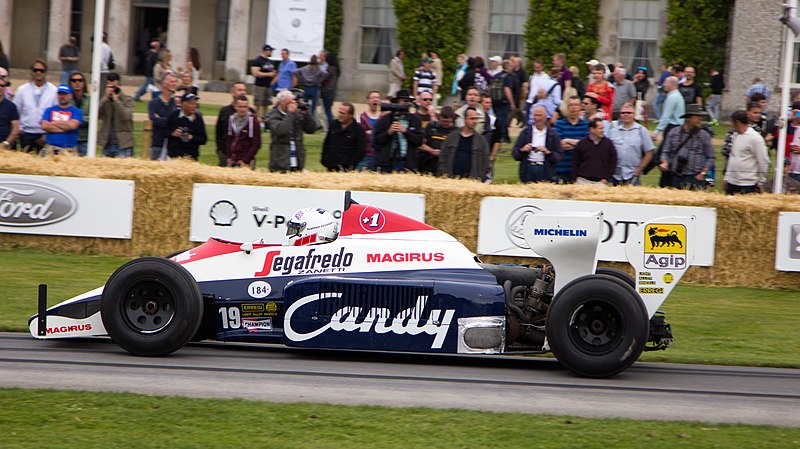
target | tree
x=697, y=34
x=562, y=26
x=334, y=17
x=437, y=26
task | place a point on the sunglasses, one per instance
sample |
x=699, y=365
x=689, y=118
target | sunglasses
x=426, y=99
x=586, y=102
x=628, y=113
x=38, y=70
x=77, y=80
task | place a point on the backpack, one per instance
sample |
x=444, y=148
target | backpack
x=497, y=91
x=111, y=62
x=481, y=84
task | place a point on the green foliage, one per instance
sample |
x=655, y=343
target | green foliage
x=438, y=26
x=334, y=17
x=697, y=34
x=562, y=26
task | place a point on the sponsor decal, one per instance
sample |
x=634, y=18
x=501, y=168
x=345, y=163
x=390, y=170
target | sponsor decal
x=372, y=219
x=258, y=309
x=665, y=246
x=258, y=289
x=651, y=290
x=223, y=212
x=645, y=278
x=514, y=225
x=555, y=232
x=310, y=263
x=405, y=257
x=794, y=242
x=668, y=278
x=254, y=325
x=378, y=320
x=261, y=216
x=72, y=328
x=29, y=203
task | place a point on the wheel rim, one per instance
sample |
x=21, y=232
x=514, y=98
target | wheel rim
x=596, y=327
x=149, y=307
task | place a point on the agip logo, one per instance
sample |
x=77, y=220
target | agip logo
x=665, y=246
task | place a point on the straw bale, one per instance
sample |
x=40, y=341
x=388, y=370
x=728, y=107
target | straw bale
x=746, y=225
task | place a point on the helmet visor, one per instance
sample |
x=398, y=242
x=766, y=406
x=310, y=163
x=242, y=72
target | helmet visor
x=294, y=228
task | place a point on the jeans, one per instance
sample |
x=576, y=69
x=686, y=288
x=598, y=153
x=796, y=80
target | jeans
x=657, y=105
x=113, y=150
x=159, y=153
x=312, y=92
x=532, y=173
x=688, y=182
x=395, y=166
x=327, y=105
x=713, y=106
x=366, y=164
x=83, y=148
x=65, y=76
x=732, y=189
x=148, y=80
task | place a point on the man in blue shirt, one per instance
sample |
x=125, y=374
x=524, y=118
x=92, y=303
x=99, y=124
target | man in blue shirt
x=285, y=72
x=572, y=129
x=61, y=123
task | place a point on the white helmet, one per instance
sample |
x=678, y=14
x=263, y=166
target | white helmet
x=311, y=226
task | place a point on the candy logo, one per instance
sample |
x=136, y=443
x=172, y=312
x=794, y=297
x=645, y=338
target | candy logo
x=378, y=320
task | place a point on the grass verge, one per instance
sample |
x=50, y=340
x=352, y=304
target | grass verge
x=40, y=418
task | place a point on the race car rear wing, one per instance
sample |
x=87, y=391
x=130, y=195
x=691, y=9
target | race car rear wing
x=42, y=317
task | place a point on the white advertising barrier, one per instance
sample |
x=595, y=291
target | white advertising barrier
x=79, y=207
x=787, y=251
x=298, y=25
x=500, y=230
x=245, y=213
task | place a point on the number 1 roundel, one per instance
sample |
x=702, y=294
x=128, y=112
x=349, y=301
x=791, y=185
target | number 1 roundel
x=372, y=219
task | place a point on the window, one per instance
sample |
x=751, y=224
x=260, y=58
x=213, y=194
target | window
x=76, y=14
x=378, y=32
x=223, y=8
x=638, y=33
x=506, y=27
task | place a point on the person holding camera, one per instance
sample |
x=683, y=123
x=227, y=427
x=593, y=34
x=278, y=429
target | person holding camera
x=116, y=113
x=188, y=129
x=687, y=152
x=397, y=135
x=288, y=121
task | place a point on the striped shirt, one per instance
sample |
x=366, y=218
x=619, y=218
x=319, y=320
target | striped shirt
x=569, y=131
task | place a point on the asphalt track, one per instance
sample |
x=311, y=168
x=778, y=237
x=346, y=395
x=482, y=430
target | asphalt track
x=713, y=394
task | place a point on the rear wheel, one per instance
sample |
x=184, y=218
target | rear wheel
x=619, y=274
x=151, y=306
x=597, y=326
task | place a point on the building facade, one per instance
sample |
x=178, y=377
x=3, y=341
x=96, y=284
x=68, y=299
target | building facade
x=227, y=33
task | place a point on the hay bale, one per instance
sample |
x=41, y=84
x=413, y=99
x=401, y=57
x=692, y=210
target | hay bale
x=746, y=224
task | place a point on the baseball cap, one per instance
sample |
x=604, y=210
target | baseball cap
x=496, y=58
x=190, y=97
x=267, y=47
x=64, y=89
x=427, y=60
x=592, y=62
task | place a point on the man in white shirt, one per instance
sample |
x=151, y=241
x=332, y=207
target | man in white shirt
x=32, y=99
x=748, y=163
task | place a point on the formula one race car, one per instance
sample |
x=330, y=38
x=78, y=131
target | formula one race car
x=380, y=281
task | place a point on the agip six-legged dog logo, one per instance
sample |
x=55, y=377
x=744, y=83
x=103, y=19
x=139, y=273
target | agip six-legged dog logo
x=670, y=239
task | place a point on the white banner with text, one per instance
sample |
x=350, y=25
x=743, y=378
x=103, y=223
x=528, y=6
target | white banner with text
x=297, y=25
x=54, y=205
x=787, y=250
x=500, y=225
x=245, y=213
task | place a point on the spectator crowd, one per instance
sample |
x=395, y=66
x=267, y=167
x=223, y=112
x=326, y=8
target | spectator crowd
x=590, y=131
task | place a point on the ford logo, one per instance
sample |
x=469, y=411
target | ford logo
x=29, y=203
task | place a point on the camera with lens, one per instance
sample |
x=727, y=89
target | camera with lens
x=682, y=160
x=185, y=135
x=302, y=105
x=397, y=110
x=117, y=90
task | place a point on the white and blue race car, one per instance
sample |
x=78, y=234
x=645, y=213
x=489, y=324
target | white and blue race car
x=385, y=282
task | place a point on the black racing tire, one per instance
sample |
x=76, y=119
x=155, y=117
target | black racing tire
x=151, y=306
x=619, y=274
x=597, y=326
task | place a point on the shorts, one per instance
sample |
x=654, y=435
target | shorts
x=263, y=95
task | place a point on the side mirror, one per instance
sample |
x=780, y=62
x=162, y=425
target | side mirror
x=246, y=247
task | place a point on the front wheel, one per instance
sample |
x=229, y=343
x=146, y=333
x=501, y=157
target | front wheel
x=597, y=326
x=151, y=306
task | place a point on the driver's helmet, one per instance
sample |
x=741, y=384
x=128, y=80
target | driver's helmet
x=311, y=226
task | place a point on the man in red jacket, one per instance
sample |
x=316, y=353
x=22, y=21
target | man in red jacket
x=244, y=135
